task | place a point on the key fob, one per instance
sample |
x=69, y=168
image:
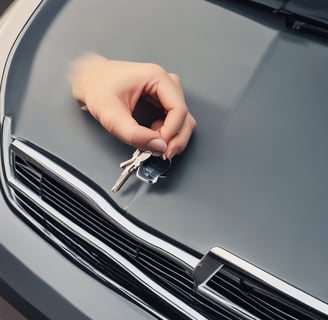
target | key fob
x=153, y=168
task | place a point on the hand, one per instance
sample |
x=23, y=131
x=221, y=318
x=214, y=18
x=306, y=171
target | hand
x=110, y=90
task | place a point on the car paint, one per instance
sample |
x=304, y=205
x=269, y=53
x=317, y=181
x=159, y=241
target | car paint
x=253, y=177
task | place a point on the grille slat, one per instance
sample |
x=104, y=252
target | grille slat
x=28, y=180
x=30, y=208
x=233, y=293
x=231, y=283
x=151, y=263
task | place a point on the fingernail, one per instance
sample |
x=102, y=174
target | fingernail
x=157, y=154
x=171, y=153
x=157, y=145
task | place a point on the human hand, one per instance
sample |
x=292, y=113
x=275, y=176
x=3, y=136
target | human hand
x=110, y=90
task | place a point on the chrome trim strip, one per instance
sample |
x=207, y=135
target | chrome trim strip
x=207, y=267
x=207, y=292
x=11, y=30
x=272, y=281
x=188, y=261
x=5, y=143
x=111, y=254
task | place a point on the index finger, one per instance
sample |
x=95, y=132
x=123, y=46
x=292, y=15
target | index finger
x=172, y=99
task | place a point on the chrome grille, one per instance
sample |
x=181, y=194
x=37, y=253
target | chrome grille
x=165, y=271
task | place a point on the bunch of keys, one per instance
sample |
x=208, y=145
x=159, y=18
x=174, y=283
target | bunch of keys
x=148, y=168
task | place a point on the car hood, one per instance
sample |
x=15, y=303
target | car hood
x=253, y=179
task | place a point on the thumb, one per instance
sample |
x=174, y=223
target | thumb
x=144, y=138
x=123, y=126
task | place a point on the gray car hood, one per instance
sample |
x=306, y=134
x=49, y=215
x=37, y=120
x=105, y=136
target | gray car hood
x=254, y=177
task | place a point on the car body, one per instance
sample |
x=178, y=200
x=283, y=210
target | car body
x=238, y=229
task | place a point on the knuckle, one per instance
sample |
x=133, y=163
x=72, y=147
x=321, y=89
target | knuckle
x=105, y=121
x=180, y=145
x=175, y=78
x=184, y=111
x=155, y=68
x=192, y=122
x=131, y=137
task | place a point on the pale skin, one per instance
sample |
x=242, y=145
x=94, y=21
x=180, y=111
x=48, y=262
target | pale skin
x=110, y=90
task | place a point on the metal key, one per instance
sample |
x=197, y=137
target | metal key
x=134, y=156
x=130, y=166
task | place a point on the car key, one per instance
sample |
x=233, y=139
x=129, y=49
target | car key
x=130, y=166
x=134, y=155
x=153, y=168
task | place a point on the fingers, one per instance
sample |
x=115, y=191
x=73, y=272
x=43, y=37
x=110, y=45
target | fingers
x=178, y=120
x=171, y=136
x=169, y=93
x=110, y=90
x=157, y=125
x=119, y=122
x=180, y=141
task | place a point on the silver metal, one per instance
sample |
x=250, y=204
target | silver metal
x=207, y=267
x=127, y=162
x=123, y=178
x=224, y=256
x=6, y=140
x=130, y=166
x=211, y=294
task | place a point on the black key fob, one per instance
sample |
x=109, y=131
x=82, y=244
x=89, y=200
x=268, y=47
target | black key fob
x=153, y=168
